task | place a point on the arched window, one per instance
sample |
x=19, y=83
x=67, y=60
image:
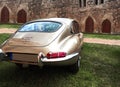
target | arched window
x=89, y=25
x=106, y=26
x=5, y=15
x=96, y=2
x=102, y=1
x=80, y=3
x=84, y=3
x=21, y=16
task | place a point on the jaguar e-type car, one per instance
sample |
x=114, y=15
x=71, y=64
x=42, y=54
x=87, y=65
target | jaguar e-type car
x=52, y=41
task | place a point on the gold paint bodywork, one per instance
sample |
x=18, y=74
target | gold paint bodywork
x=26, y=46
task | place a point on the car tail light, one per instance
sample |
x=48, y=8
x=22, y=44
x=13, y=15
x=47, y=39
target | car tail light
x=52, y=55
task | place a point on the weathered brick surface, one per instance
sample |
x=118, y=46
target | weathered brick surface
x=67, y=8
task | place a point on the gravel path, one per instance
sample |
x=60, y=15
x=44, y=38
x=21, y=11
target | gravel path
x=102, y=41
x=86, y=40
x=8, y=31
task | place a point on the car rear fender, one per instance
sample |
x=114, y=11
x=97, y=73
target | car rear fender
x=72, y=43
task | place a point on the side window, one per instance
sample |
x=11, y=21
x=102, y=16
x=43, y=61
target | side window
x=75, y=27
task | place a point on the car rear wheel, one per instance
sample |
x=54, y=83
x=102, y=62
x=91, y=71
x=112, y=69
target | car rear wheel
x=75, y=67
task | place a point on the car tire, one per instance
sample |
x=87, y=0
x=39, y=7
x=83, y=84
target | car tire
x=75, y=67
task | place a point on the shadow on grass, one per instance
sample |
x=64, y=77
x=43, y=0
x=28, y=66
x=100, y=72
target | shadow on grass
x=13, y=76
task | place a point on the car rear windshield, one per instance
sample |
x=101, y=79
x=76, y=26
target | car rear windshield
x=41, y=27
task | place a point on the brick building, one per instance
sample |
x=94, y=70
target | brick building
x=94, y=16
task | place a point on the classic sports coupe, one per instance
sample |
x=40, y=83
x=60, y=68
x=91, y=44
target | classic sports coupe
x=52, y=41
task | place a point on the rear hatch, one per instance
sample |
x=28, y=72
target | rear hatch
x=38, y=33
x=32, y=39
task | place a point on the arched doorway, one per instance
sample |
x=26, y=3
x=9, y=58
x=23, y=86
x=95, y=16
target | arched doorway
x=5, y=15
x=21, y=16
x=106, y=26
x=89, y=25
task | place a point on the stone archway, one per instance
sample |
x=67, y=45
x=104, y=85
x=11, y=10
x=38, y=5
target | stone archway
x=89, y=25
x=4, y=15
x=21, y=16
x=106, y=26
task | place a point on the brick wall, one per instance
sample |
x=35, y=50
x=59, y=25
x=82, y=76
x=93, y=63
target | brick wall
x=84, y=11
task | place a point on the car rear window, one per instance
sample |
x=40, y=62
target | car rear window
x=41, y=27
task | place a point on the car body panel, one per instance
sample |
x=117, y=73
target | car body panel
x=30, y=47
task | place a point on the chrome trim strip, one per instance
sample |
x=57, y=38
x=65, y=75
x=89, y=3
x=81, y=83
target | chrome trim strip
x=59, y=59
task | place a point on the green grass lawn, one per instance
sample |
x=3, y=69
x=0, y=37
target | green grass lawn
x=16, y=26
x=100, y=67
x=102, y=36
x=3, y=37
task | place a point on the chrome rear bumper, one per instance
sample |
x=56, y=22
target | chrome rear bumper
x=68, y=60
x=59, y=59
x=24, y=59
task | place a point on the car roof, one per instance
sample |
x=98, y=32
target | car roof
x=61, y=20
